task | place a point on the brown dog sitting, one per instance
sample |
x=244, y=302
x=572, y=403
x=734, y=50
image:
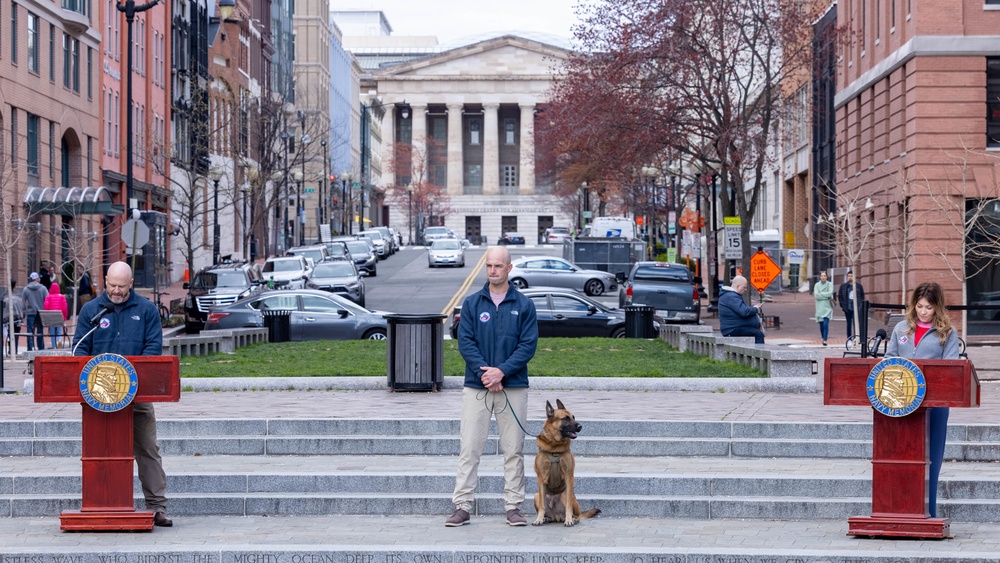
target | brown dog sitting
x=555, y=500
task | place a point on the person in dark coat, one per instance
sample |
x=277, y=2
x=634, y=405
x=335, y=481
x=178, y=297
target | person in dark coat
x=736, y=318
x=846, y=300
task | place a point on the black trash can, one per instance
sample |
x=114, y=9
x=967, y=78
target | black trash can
x=415, y=352
x=279, y=324
x=639, y=321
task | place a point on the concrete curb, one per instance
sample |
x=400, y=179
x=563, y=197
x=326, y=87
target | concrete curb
x=721, y=384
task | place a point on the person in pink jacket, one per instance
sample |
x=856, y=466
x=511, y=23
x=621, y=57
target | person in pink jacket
x=56, y=301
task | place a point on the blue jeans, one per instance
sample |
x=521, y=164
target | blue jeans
x=35, y=322
x=850, y=323
x=937, y=431
x=56, y=333
x=824, y=328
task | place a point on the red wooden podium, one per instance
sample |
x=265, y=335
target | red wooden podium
x=899, y=444
x=107, y=438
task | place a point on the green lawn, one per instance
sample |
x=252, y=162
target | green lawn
x=556, y=357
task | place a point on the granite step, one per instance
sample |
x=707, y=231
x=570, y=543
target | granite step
x=440, y=437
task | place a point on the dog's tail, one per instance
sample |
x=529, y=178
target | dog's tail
x=589, y=513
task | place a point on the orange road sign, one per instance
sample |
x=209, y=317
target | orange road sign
x=763, y=270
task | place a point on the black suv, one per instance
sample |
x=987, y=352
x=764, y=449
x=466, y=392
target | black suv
x=222, y=284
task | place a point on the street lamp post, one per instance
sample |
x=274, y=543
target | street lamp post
x=650, y=173
x=409, y=216
x=345, y=179
x=297, y=230
x=130, y=9
x=674, y=171
x=215, y=174
x=276, y=177
x=322, y=191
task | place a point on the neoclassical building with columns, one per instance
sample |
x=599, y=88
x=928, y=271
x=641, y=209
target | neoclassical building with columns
x=469, y=113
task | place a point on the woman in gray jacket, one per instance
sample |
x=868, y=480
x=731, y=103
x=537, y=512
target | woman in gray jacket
x=927, y=334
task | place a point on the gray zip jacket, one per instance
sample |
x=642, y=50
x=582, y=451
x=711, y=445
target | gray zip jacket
x=901, y=344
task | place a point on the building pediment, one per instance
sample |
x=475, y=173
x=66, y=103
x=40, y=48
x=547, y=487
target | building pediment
x=499, y=59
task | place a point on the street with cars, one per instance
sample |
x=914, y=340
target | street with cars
x=333, y=296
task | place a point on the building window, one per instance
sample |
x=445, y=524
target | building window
x=13, y=32
x=474, y=175
x=78, y=6
x=474, y=132
x=32, y=140
x=90, y=158
x=509, y=131
x=90, y=73
x=32, y=42
x=52, y=53
x=14, y=145
x=510, y=177
x=74, y=45
x=52, y=150
x=993, y=102
x=66, y=60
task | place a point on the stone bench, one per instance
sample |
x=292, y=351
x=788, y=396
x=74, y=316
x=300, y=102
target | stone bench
x=213, y=341
x=676, y=335
x=775, y=361
x=714, y=345
x=31, y=355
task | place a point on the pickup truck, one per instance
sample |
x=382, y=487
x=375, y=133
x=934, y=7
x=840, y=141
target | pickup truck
x=669, y=288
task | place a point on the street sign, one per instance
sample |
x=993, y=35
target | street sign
x=763, y=270
x=135, y=234
x=672, y=223
x=734, y=238
x=796, y=256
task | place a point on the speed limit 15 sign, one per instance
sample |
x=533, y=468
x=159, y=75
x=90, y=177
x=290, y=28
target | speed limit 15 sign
x=733, y=240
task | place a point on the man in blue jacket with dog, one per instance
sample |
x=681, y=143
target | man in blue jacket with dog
x=497, y=336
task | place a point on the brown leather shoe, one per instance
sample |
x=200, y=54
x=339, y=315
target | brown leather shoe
x=160, y=519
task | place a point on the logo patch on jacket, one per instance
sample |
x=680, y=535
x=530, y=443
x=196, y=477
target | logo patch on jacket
x=135, y=317
x=484, y=317
x=514, y=312
x=903, y=339
x=105, y=323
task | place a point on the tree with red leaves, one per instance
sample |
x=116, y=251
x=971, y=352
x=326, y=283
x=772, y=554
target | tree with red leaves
x=667, y=80
x=414, y=189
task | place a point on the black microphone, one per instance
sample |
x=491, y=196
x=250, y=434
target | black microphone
x=880, y=336
x=107, y=308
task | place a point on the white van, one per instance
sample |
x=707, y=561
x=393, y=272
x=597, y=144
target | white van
x=621, y=227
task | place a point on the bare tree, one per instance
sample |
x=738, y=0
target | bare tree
x=12, y=223
x=414, y=189
x=81, y=250
x=855, y=228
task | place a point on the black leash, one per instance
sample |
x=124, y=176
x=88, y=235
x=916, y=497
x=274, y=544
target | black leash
x=485, y=395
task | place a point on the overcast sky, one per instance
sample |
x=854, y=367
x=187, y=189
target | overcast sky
x=451, y=19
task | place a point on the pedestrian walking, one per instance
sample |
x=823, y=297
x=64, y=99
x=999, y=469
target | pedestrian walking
x=34, y=295
x=823, y=293
x=926, y=334
x=846, y=300
x=497, y=336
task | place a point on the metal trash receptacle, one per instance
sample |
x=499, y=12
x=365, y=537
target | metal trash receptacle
x=639, y=321
x=415, y=352
x=279, y=324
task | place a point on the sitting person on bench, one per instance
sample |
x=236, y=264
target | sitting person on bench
x=736, y=318
x=12, y=300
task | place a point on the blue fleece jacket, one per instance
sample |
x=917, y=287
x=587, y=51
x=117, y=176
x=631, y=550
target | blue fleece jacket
x=735, y=314
x=132, y=329
x=503, y=337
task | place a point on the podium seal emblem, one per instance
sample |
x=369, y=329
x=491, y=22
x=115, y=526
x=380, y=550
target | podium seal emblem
x=108, y=382
x=896, y=387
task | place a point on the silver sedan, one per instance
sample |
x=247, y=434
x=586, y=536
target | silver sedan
x=552, y=271
x=446, y=252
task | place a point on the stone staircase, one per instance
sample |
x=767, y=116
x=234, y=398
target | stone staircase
x=637, y=469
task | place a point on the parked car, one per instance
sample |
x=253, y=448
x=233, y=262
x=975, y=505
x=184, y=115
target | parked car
x=551, y=271
x=217, y=285
x=362, y=251
x=381, y=245
x=566, y=313
x=337, y=250
x=315, y=315
x=340, y=277
x=316, y=252
x=388, y=237
x=511, y=238
x=446, y=252
x=286, y=272
x=432, y=234
x=556, y=235
x=669, y=288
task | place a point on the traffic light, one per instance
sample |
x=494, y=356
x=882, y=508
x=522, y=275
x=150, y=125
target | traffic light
x=333, y=178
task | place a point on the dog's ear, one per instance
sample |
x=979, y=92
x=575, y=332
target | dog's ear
x=548, y=410
x=559, y=405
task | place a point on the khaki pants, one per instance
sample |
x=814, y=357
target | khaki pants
x=147, y=457
x=476, y=415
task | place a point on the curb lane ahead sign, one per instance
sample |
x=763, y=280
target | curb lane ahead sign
x=763, y=270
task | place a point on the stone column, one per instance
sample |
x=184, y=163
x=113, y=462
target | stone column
x=418, y=115
x=456, y=166
x=388, y=147
x=491, y=150
x=526, y=181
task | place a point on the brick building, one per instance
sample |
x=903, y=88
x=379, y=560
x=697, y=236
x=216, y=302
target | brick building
x=918, y=130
